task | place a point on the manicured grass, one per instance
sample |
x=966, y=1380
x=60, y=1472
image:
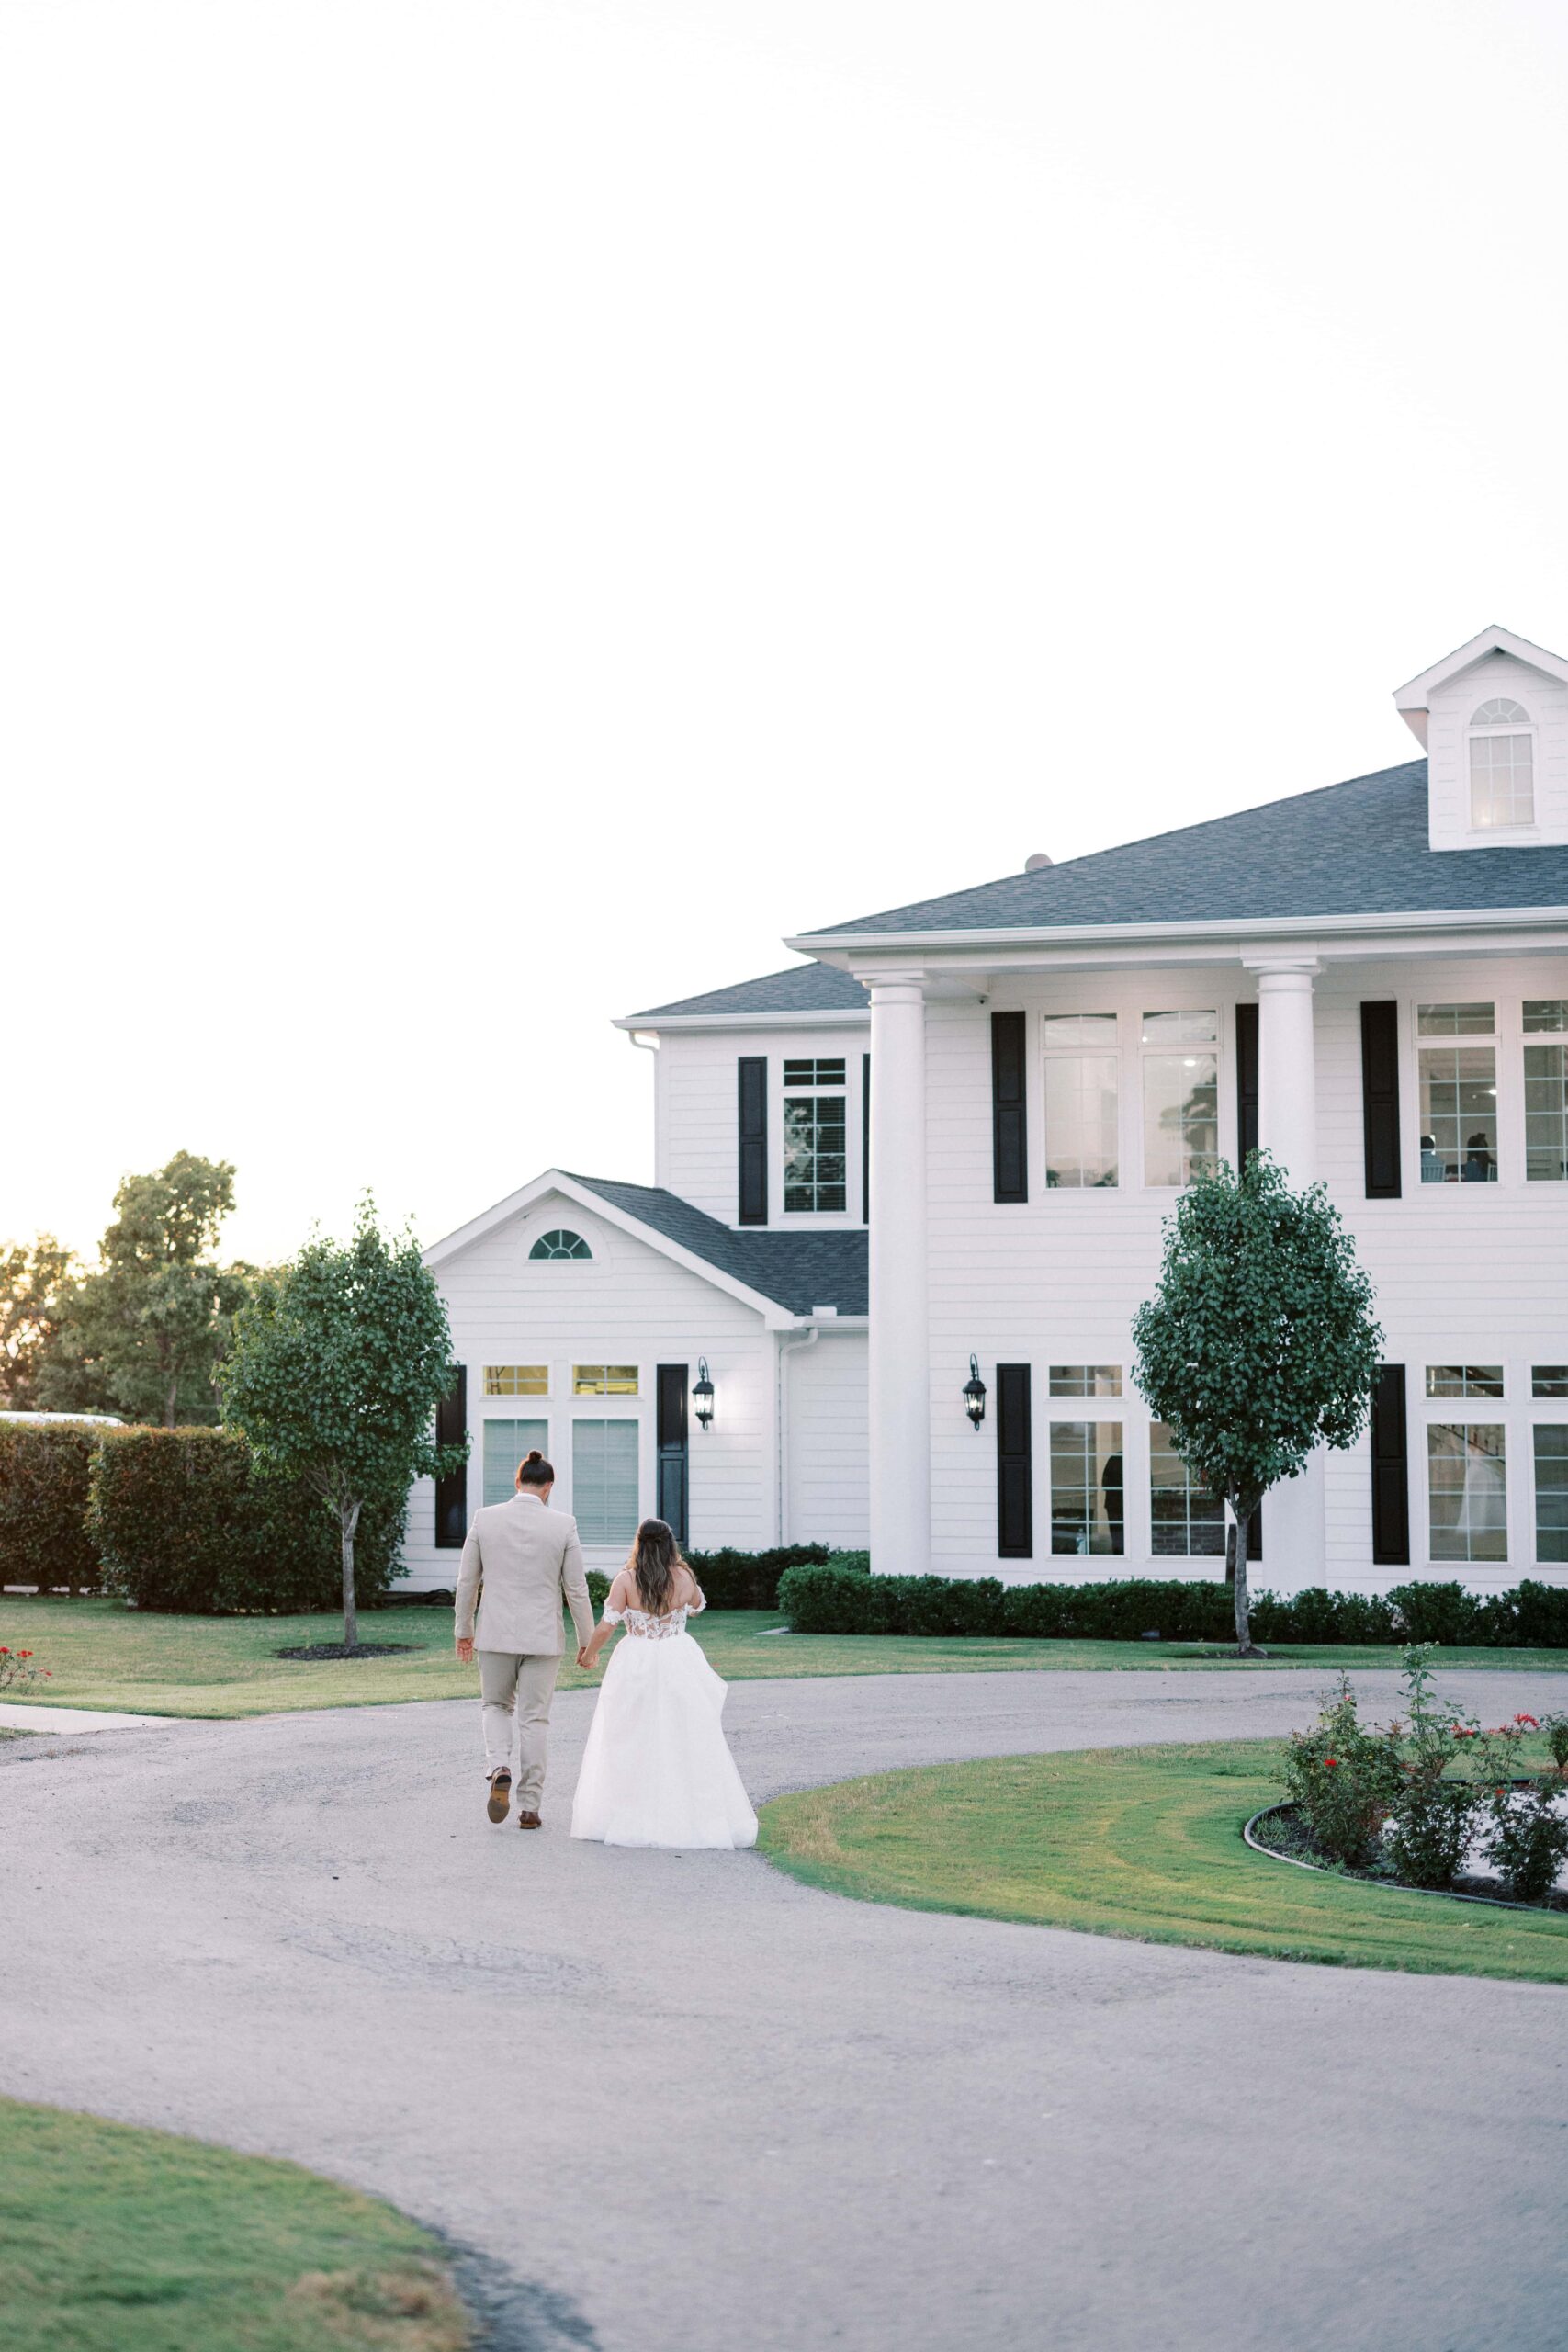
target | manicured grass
x=1143, y=1842
x=114, y=2240
x=103, y=1655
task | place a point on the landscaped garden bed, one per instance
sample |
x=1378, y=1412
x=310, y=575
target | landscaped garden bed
x=1280, y=1830
x=1433, y=1801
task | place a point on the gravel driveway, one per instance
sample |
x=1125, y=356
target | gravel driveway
x=684, y=2104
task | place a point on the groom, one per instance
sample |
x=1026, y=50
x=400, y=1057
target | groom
x=528, y=1557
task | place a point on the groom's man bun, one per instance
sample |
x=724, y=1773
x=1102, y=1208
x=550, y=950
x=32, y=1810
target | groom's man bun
x=536, y=1471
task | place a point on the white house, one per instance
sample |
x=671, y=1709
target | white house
x=952, y=1134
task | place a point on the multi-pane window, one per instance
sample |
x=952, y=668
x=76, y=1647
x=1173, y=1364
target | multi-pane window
x=506, y=1444
x=1086, y=1379
x=1459, y=1096
x=813, y=1135
x=1087, y=1486
x=605, y=1480
x=1180, y=1096
x=1502, y=766
x=1549, y=1380
x=559, y=1243
x=603, y=1380
x=1080, y=1100
x=517, y=1380
x=1464, y=1380
x=1546, y=1091
x=1188, y=1523
x=1552, y=1490
x=1467, y=1486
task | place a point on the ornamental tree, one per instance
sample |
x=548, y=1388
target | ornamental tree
x=1260, y=1342
x=337, y=1366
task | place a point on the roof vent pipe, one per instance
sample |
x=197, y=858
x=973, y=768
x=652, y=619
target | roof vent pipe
x=1036, y=860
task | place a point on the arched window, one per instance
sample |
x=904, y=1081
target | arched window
x=1502, y=766
x=559, y=1243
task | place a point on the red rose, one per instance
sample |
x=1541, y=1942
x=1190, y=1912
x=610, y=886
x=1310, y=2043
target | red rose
x=1331, y=1763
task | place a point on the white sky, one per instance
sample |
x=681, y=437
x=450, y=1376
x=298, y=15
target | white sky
x=512, y=506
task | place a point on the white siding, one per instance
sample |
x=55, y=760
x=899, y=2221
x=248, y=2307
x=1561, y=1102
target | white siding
x=825, y=1436
x=1472, y=1272
x=698, y=1127
x=629, y=1306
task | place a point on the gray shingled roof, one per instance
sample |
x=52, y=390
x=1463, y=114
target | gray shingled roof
x=799, y=1270
x=804, y=988
x=1355, y=848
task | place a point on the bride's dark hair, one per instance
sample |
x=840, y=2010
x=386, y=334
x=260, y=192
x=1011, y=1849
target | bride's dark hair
x=654, y=1557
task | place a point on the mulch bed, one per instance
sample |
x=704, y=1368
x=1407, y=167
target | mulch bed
x=1286, y=1833
x=340, y=1649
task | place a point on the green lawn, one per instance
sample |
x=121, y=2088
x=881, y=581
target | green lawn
x=1144, y=1842
x=103, y=1655
x=113, y=2240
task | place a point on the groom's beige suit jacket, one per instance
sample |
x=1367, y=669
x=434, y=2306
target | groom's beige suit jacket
x=520, y=1561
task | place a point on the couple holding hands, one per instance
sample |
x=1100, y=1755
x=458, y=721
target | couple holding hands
x=657, y=1770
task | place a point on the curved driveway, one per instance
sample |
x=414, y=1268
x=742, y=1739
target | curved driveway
x=692, y=2106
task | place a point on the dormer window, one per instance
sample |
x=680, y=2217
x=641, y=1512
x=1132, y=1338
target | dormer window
x=1502, y=766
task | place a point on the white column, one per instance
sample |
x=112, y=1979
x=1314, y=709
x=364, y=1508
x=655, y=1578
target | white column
x=1295, y=1530
x=900, y=1376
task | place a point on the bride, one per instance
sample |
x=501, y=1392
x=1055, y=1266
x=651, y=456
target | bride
x=657, y=1770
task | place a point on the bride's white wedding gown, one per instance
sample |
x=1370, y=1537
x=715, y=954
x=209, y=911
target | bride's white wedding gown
x=657, y=1770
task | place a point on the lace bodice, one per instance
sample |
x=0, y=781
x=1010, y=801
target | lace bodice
x=648, y=1628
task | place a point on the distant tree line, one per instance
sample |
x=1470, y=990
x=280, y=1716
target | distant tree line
x=142, y=1333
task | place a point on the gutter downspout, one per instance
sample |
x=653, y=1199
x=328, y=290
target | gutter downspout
x=787, y=1347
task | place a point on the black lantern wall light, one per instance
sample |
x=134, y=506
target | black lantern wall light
x=702, y=1394
x=975, y=1395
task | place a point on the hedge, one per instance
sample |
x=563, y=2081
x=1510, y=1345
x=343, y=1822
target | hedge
x=839, y=1596
x=44, y=1470
x=182, y=1523
x=733, y=1579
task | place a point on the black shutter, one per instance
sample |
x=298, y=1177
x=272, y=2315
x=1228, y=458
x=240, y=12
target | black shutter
x=1009, y=1109
x=1246, y=1088
x=452, y=1492
x=1391, y=1467
x=753, y=1068
x=1015, y=1462
x=1380, y=1102
x=865, y=1139
x=670, y=1418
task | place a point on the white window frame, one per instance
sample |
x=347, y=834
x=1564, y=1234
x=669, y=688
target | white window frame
x=1046, y=1053
x=824, y=1049
x=1473, y=734
x=1508, y=1070
x=1222, y=1074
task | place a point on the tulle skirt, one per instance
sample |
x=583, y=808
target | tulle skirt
x=657, y=1770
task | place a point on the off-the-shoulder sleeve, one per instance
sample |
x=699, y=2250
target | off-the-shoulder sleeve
x=695, y=1608
x=613, y=1616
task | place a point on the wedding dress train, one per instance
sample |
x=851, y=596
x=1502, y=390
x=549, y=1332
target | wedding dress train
x=657, y=1770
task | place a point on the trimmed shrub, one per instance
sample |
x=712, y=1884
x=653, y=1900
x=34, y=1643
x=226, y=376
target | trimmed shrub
x=834, y=1598
x=45, y=1467
x=733, y=1579
x=1540, y=1615
x=182, y=1523
x=1317, y=1615
x=1436, y=1612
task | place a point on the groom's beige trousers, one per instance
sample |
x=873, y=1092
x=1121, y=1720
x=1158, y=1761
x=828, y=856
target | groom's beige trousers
x=515, y=1690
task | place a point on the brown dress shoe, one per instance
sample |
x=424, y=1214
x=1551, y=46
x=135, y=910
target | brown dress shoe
x=529, y=1821
x=500, y=1802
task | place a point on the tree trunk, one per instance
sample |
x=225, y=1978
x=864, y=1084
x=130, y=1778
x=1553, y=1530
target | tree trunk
x=348, y=1515
x=1241, y=1511
x=171, y=1400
